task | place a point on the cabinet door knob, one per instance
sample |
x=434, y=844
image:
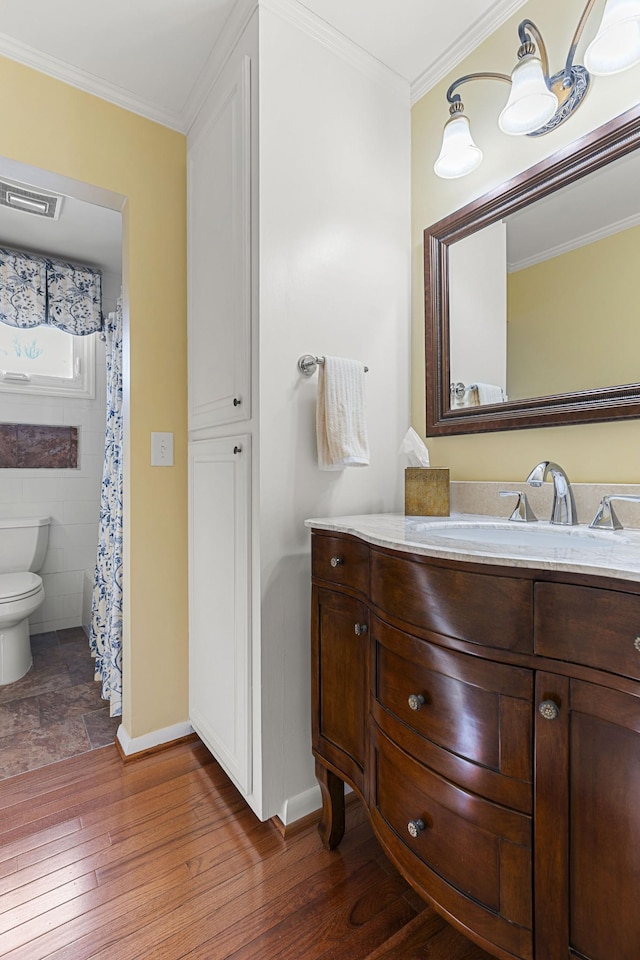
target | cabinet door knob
x=415, y=828
x=360, y=628
x=336, y=562
x=416, y=700
x=549, y=709
x=636, y=644
x=237, y=449
x=237, y=401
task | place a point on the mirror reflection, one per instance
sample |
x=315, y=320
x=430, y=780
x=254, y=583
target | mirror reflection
x=544, y=301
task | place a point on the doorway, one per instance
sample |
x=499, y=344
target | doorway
x=56, y=711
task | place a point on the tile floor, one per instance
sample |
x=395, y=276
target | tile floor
x=55, y=711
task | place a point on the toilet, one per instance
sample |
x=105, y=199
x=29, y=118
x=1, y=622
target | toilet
x=23, y=546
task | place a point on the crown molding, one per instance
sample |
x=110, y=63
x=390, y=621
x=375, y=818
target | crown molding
x=87, y=82
x=314, y=26
x=583, y=241
x=475, y=34
x=234, y=25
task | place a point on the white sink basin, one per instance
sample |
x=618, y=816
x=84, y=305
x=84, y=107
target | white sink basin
x=496, y=535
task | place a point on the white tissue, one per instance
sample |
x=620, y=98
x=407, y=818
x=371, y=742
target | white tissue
x=414, y=449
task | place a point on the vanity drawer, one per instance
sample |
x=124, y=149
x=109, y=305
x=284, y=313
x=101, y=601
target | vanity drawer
x=587, y=625
x=481, y=608
x=481, y=849
x=340, y=560
x=467, y=718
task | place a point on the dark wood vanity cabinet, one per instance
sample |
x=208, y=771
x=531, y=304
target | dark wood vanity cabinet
x=490, y=721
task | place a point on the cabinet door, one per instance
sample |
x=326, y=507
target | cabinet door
x=219, y=622
x=219, y=254
x=587, y=853
x=340, y=681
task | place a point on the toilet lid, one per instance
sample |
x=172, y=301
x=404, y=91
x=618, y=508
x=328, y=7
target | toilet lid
x=18, y=586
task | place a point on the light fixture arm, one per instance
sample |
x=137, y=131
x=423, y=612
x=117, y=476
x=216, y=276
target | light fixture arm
x=525, y=30
x=454, y=98
x=576, y=39
x=539, y=101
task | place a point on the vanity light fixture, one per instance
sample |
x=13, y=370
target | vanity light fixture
x=538, y=103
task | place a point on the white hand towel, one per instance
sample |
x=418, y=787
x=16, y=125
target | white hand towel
x=490, y=393
x=340, y=416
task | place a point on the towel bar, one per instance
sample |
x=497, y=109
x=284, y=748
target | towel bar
x=458, y=389
x=308, y=363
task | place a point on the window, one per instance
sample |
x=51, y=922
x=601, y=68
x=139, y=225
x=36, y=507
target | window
x=47, y=361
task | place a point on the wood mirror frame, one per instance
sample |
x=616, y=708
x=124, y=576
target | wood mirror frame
x=614, y=139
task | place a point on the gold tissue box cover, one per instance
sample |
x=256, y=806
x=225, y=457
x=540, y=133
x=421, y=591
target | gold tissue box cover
x=426, y=491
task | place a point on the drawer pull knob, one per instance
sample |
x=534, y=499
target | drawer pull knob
x=237, y=401
x=636, y=644
x=237, y=449
x=415, y=828
x=549, y=710
x=336, y=562
x=416, y=700
x=360, y=628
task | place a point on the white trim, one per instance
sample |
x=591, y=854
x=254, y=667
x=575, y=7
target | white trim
x=80, y=386
x=132, y=745
x=550, y=252
x=303, y=804
x=294, y=808
x=473, y=36
x=350, y=52
x=46, y=180
x=87, y=82
x=233, y=28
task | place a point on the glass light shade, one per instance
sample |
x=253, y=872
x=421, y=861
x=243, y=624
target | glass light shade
x=458, y=155
x=531, y=104
x=616, y=46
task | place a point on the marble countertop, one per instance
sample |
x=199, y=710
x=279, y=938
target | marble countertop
x=569, y=549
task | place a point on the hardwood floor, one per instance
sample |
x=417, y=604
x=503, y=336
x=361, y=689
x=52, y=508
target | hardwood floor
x=162, y=859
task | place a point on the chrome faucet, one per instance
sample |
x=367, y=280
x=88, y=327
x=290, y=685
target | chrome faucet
x=564, y=507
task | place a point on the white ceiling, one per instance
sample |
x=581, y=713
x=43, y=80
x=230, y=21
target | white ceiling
x=157, y=58
x=152, y=55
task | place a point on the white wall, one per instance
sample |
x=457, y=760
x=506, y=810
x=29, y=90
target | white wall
x=478, y=307
x=71, y=497
x=334, y=279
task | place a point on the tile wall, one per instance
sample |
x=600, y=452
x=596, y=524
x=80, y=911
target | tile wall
x=71, y=497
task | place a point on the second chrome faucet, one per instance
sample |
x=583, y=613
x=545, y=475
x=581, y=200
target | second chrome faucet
x=563, y=509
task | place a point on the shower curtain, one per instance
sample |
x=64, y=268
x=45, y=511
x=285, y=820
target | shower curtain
x=105, y=638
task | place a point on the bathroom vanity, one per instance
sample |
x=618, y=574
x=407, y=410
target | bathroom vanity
x=483, y=699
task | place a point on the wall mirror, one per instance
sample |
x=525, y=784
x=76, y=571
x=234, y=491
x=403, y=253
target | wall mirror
x=531, y=294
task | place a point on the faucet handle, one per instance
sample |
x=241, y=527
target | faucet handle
x=606, y=517
x=522, y=512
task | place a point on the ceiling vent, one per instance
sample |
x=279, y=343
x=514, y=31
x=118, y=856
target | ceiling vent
x=29, y=201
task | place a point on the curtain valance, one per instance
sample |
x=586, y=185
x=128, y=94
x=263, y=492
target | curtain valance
x=37, y=290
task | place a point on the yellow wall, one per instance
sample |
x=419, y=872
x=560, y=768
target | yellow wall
x=53, y=126
x=608, y=452
x=590, y=294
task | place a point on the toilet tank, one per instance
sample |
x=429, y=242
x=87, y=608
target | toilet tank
x=23, y=543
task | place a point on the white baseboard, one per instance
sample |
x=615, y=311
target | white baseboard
x=302, y=804
x=133, y=745
x=294, y=808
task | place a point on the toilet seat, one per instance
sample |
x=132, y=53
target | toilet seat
x=18, y=586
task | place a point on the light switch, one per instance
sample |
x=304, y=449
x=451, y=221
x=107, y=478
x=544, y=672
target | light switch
x=161, y=449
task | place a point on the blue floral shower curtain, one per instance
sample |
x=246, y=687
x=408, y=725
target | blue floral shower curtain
x=105, y=638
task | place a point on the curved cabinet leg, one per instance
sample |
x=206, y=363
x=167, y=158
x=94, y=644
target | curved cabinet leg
x=331, y=826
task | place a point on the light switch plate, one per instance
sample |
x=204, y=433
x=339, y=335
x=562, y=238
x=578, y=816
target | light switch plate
x=161, y=449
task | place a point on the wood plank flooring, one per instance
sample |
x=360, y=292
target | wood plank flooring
x=162, y=859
